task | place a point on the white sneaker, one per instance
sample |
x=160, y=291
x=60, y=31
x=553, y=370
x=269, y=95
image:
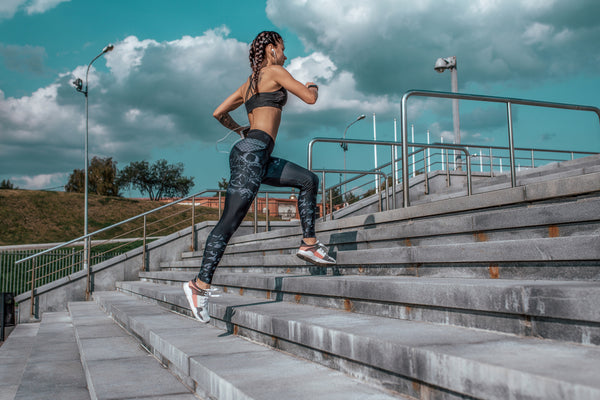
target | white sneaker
x=316, y=254
x=198, y=300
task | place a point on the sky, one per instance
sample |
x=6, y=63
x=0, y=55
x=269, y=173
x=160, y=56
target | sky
x=174, y=62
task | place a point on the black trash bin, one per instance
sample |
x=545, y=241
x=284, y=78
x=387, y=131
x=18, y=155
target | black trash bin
x=7, y=312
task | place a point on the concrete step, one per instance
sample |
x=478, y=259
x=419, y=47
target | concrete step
x=481, y=183
x=560, y=258
x=14, y=354
x=565, y=311
x=489, y=211
x=41, y=361
x=116, y=366
x=415, y=358
x=578, y=216
x=224, y=366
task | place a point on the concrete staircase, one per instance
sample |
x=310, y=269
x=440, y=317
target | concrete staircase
x=493, y=296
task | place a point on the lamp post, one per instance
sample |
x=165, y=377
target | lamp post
x=441, y=65
x=79, y=87
x=345, y=147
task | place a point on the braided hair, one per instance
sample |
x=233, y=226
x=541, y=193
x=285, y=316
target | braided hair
x=257, y=53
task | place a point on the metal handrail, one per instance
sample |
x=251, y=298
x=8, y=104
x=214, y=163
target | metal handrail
x=392, y=146
x=463, y=96
x=144, y=215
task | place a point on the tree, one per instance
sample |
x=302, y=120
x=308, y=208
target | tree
x=102, y=178
x=157, y=180
x=7, y=184
x=222, y=185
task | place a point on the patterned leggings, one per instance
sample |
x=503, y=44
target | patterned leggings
x=251, y=164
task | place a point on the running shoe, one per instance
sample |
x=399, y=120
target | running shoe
x=315, y=253
x=198, y=300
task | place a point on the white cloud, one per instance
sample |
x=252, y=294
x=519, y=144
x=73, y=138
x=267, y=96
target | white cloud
x=155, y=95
x=8, y=8
x=394, y=44
x=43, y=181
x=41, y=6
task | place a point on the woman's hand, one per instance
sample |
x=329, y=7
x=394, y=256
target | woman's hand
x=243, y=131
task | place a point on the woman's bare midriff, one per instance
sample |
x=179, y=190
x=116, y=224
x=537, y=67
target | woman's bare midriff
x=266, y=119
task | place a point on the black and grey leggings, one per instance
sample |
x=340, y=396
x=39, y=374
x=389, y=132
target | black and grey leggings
x=251, y=164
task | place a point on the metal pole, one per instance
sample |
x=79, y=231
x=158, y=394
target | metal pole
x=144, y=247
x=375, y=152
x=404, y=131
x=395, y=152
x=412, y=149
x=85, y=212
x=33, y=268
x=193, y=234
x=331, y=202
x=89, y=280
x=511, y=145
x=532, y=160
x=219, y=204
x=455, y=116
x=255, y=215
x=267, y=213
x=393, y=176
x=323, y=197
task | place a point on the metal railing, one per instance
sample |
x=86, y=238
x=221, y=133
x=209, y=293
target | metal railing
x=392, y=146
x=54, y=263
x=461, y=96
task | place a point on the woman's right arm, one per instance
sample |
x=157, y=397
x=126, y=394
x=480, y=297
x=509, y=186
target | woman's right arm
x=305, y=93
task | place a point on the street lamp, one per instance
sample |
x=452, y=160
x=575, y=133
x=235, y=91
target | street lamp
x=345, y=147
x=441, y=65
x=78, y=83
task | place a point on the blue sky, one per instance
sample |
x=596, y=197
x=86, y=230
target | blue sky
x=174, y=62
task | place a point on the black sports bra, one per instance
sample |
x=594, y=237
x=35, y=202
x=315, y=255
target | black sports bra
x=275, y=99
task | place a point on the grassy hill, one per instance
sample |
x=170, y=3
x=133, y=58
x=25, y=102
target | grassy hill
x=28, y=217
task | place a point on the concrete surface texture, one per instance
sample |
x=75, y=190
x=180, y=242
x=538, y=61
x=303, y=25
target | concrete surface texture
x=492, y=296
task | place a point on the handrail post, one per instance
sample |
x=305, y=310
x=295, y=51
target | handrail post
x=256, y=215
x=511, y=145
x=193, y=233
x=33, y=268
x=387, y=193
x=87, y=251
x=447, y=169
x=393, y=148
x=532, y=160
x=469, y=178
x=267, y=212
x=324, y=197
x=331, y=203
x=404, y=134
x=491, y=164
x=377, y=192
x=144, y=247
x=219, y=204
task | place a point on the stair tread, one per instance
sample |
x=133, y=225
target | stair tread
x=116, y=366
x=400, y=344
x=574, y=300
x=231, y=366
x=53, y=368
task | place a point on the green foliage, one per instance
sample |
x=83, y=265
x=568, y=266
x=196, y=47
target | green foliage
x=7, y=184
x=102, y=174
x=159, y=180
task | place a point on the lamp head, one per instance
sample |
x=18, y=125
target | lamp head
x=108, y=48
x=78, y=83
x=361, y=117
x=442, y=64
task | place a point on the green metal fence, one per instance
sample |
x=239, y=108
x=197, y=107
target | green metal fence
x=56, y=264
